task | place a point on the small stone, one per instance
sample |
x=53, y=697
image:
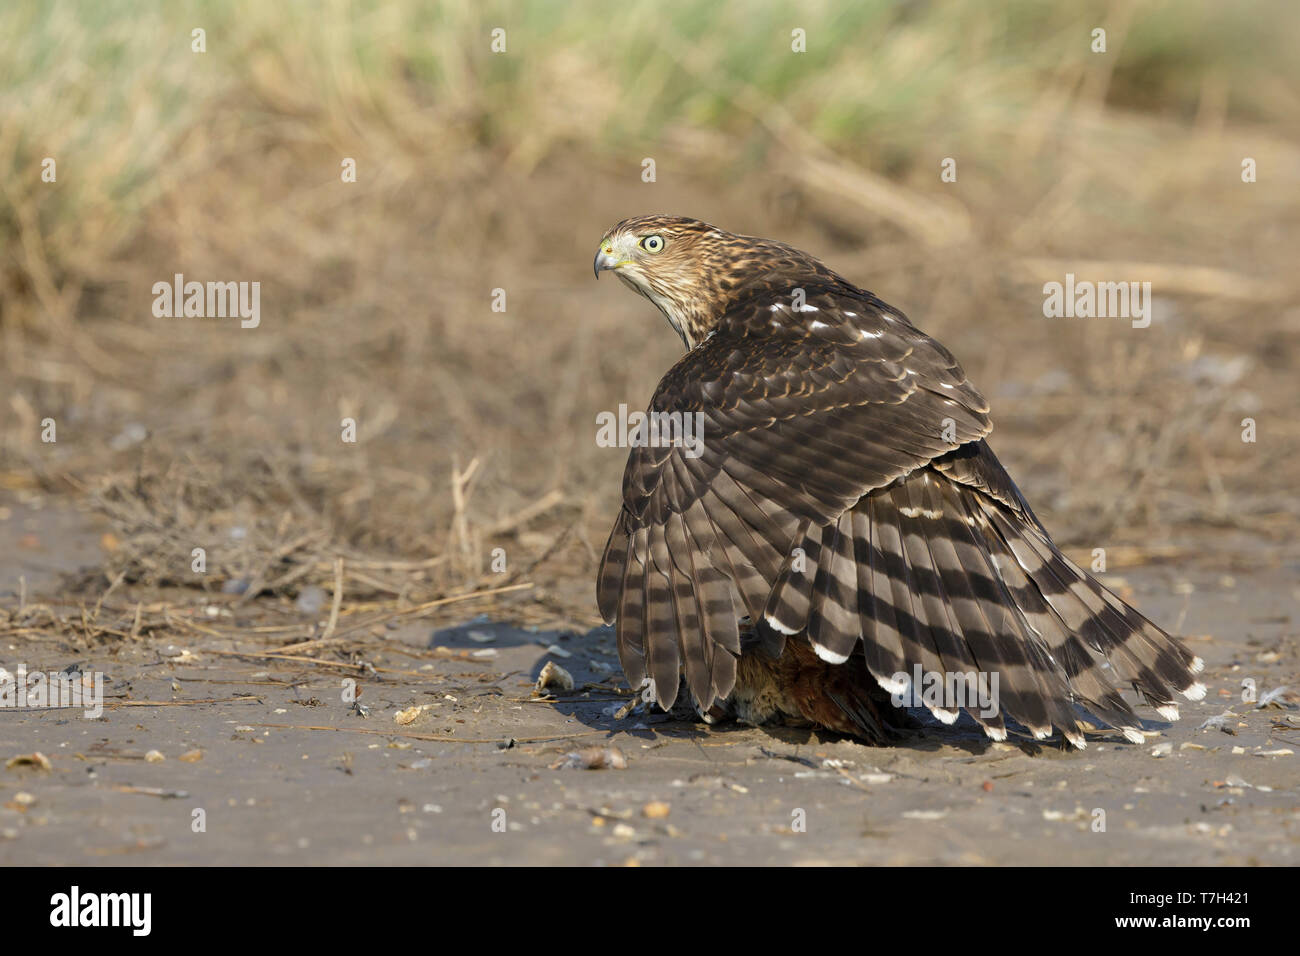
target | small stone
x=132, y=434
x=310, y=600
x=408, y=715
x=592, y=758
x=554, y=677
x=36, y=759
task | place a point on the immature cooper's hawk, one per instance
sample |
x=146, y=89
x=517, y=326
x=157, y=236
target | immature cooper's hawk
x=841, y=521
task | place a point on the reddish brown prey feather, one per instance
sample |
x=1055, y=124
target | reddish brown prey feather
x=843, y=521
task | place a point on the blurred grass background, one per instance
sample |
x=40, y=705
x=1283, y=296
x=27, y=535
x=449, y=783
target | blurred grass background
x=479, y=170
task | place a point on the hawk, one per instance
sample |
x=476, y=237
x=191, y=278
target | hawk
x=841, y=526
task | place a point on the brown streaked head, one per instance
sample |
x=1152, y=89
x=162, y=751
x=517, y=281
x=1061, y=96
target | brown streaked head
x=690, y=270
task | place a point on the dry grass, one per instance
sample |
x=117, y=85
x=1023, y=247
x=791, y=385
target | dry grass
x=476, y=428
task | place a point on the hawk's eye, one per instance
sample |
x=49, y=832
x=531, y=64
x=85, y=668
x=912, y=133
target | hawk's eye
x=652, y=244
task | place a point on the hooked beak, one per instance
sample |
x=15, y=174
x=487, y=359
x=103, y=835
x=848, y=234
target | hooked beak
x=604, y=260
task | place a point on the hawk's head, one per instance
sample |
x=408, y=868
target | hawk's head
x=693, y=271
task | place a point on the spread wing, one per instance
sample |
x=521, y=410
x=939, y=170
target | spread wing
x=805, y=403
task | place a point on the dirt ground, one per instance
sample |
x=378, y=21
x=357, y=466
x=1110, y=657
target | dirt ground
x=285, y=771
x=441, y=301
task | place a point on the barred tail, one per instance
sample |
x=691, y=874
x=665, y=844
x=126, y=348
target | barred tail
x=958, y=577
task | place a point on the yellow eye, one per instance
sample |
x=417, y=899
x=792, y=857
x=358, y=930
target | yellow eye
x=652, y=244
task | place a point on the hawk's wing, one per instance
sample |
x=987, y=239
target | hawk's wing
x=806, y=406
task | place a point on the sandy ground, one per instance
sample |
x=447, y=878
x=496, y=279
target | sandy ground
x=287, y=771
